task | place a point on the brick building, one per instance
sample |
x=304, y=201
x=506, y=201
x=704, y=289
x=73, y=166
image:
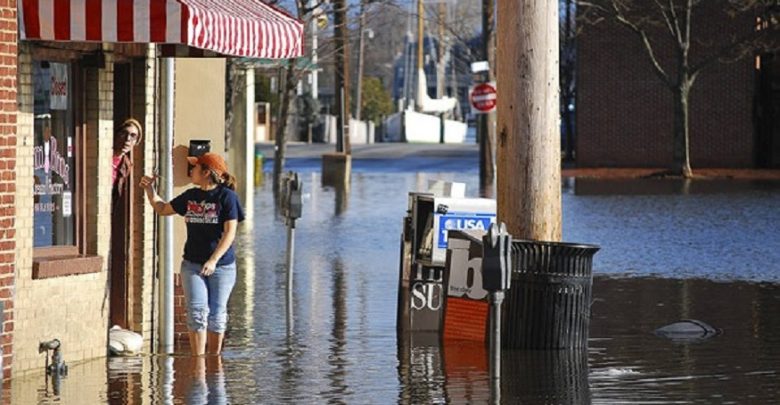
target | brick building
x=625, y=113
x=63, y=90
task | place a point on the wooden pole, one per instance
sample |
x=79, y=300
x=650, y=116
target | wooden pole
x=528, y=140
x=342, y=76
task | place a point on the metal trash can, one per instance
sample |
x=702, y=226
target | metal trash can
x=548, y=306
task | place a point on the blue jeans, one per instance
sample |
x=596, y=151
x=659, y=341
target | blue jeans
x=207, y=297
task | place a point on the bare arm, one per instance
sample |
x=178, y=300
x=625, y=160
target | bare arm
x=160, y=207
x=228, y=236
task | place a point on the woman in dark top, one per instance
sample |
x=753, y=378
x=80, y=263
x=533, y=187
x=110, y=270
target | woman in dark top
x=208, y=269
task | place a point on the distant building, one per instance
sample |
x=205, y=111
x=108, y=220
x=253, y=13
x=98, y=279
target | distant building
x=624, y=113
x=458, y=73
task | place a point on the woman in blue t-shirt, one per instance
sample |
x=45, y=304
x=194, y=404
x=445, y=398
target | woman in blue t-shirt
x=208, y=269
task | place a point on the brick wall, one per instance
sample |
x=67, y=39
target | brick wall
x=141, y=287
x=181, y=338
x=625, y=113
x=8, y=114
x=72, y=308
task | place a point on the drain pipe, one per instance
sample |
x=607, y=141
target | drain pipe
x=166, y=228
x=57, y=366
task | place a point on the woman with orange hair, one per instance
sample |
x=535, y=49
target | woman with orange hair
x=208, y=271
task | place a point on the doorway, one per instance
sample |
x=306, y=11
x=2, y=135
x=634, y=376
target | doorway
x=121, y=207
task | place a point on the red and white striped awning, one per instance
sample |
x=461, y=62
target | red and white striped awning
x=247, y=28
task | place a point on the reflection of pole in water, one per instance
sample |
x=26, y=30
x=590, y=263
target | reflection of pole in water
x=166, y=378
x=336, y=359
x=290, y=258
x=289, y=316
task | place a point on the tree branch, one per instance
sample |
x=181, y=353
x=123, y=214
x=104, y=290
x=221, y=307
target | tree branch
x=659, y=71
x=667, y=20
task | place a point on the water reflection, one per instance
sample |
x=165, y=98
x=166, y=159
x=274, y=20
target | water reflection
x=705, y=255
x=629, y=363
x=337, y=359
x=200, y=380
x=546, y=376
x=420, y=372
x=342, y=198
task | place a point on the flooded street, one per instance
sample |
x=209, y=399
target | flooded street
x=670, y=251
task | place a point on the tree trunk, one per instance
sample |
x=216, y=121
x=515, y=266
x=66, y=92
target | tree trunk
x=568, y=122
x=528, y=141
x=486, y=122
x=281, y=125
x=567, y=81
x=681, y=164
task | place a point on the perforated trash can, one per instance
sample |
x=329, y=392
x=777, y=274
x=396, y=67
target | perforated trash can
x=548, y=304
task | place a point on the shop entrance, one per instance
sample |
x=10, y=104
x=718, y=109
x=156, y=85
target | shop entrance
x=121, y=206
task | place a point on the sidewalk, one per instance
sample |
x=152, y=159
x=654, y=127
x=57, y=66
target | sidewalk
x=701, y=174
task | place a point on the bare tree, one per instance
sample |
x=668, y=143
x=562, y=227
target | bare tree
x=655, y=21
x=307, y=11
x=568, y=72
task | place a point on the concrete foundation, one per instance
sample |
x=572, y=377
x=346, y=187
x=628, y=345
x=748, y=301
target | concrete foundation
x=336, y=169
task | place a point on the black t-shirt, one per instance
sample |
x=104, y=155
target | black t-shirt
x=205, y=213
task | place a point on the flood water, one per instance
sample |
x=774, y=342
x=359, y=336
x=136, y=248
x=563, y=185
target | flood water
x=670, y=250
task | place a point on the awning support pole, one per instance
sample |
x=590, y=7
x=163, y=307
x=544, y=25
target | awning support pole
x=166, y=228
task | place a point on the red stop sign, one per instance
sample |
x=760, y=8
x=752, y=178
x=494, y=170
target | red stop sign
x=483, y=97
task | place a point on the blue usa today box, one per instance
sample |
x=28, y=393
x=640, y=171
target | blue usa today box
x=462, y=221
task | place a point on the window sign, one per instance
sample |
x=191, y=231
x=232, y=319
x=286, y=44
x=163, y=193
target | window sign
x=67, y=209
x=53, y=159
x=58, y=90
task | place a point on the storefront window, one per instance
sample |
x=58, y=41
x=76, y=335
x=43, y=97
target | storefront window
x=54, y=160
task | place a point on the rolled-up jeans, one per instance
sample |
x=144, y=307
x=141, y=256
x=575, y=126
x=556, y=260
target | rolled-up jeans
x=207, y=296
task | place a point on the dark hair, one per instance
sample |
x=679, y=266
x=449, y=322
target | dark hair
x=227, y=179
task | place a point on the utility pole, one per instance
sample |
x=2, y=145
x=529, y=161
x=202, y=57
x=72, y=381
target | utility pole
x=441, y=67
x=342, y=77
x=361, y=47
x=315, y=71
x=486, y=123
x=420, y=46
x=528, y=138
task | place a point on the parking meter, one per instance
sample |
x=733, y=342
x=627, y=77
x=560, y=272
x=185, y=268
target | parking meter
x=292, y=205
x=291, y=208
x=496, y=259
x=496, y=277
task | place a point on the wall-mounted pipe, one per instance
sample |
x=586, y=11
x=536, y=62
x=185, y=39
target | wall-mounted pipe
x=57, y=367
